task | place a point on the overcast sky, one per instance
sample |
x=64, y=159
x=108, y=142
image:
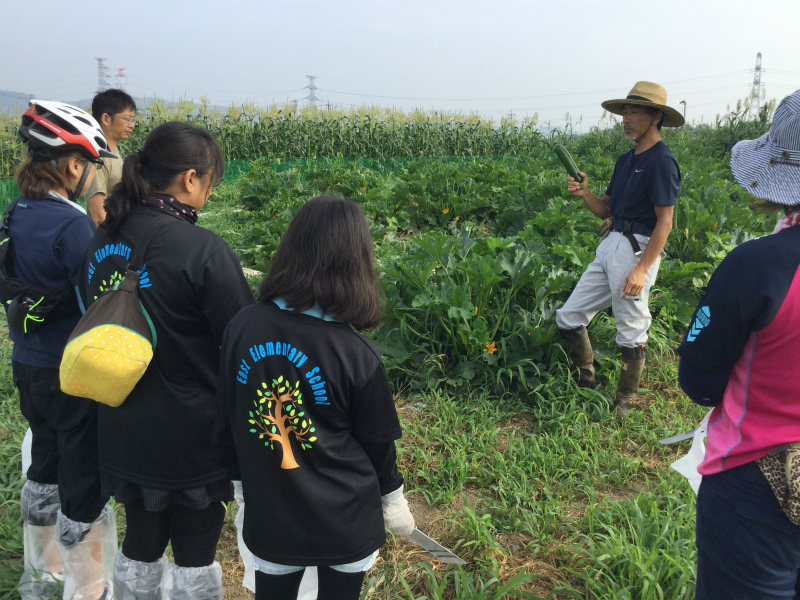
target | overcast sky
x=490, y=56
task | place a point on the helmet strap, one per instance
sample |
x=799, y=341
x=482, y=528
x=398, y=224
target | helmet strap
x=79, y=188
x=42, y=156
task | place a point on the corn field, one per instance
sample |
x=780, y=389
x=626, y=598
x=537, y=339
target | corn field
x=281, y=132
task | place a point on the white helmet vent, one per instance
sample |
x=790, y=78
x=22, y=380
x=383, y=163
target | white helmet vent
x=80, y=131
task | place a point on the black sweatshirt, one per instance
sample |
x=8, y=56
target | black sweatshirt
x=311, y=410
x=162, y=436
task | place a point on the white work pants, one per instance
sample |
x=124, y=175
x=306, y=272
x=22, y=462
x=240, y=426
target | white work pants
x=600, y=286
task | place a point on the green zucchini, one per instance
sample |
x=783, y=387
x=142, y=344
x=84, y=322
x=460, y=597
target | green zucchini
x=566, y=160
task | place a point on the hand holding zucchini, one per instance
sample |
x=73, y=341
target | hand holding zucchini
x=569, y=164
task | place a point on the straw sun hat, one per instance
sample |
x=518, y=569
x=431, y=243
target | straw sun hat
x=769, y=166
x=646, y=93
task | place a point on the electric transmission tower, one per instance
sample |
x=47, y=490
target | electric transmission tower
x=121, y=79
x=103, y=80
x=312, y=97
x=756, y=93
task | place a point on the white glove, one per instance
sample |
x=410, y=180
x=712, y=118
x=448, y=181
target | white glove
x=396, y=515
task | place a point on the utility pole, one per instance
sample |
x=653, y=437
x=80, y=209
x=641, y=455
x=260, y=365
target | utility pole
x=684, y=108
x=102, y=75
x=757, y=85
x=312, y=96
x=121, y=79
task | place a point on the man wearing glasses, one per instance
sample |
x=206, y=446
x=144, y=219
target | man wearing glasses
x=116, y=112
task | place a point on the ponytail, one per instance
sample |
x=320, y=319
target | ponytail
x=171, y=149
x=119, y=203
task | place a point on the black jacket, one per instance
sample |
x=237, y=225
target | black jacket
x=163, y=434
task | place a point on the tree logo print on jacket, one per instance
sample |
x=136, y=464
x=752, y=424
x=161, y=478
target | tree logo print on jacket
x=279, y=416
x=103, y=253
x=702, y=320
x=113, y=281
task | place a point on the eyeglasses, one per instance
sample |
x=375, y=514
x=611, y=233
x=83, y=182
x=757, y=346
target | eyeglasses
x=98, y=162
x=126, y=119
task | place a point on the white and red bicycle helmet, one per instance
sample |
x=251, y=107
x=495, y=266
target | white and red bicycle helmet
x=60, y=128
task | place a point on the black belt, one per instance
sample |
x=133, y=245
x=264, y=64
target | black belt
x=628, y=229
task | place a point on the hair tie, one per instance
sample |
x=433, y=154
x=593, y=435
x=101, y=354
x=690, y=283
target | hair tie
x=142, y=157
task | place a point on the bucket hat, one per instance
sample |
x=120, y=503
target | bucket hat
x=769, y=167
x=647, y=93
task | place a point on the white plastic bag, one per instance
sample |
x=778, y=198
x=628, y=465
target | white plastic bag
x=687, y=464
x=26, y=452
x=308, y=586
x=192, y=583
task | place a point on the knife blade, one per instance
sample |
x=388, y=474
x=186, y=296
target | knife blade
x=686, y=435
x=434, y=548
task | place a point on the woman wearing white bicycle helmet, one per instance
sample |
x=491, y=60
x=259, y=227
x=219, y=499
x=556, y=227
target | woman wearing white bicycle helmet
x=56, y=130
x=70, y=532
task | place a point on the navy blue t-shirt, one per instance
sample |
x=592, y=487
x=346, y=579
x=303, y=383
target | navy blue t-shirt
x=642, y=181
x=745, y=293
x=50, y=238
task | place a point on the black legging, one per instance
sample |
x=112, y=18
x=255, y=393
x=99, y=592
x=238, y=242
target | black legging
x=194, y=533
x=333, y=585
x=64, y=448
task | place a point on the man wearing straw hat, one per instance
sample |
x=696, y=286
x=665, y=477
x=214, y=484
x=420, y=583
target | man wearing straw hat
x=639, y=203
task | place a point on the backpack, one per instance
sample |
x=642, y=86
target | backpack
x=29, y=307
x=111, y=346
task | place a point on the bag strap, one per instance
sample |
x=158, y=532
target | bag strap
x=5, y=233
x=137, y=260
x=6, y=219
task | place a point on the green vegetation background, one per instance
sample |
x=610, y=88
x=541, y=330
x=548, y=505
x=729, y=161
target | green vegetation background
x=526, y=476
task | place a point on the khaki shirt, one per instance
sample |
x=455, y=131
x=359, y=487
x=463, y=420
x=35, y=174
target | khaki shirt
x=109, y=175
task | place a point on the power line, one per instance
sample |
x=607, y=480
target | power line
x=438, y=99
x=781, y=85
x=137, y=79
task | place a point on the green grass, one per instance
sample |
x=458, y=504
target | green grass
x=12, y=430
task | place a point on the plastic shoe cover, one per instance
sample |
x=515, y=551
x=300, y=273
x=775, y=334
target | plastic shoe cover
x=34, y=585
x=87, y=552
x=192, y=583
x=39, y=503
x=42, y=577
x=135, y=580
x=249, y=579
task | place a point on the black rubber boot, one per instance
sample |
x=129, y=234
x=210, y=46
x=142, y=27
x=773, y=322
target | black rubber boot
x=629, y=376
x=580, y=352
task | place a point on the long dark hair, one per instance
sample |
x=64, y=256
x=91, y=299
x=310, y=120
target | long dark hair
x=171, y=149
x=326, y=257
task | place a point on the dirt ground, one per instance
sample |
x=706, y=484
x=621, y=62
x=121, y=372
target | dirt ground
x=232, y=567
